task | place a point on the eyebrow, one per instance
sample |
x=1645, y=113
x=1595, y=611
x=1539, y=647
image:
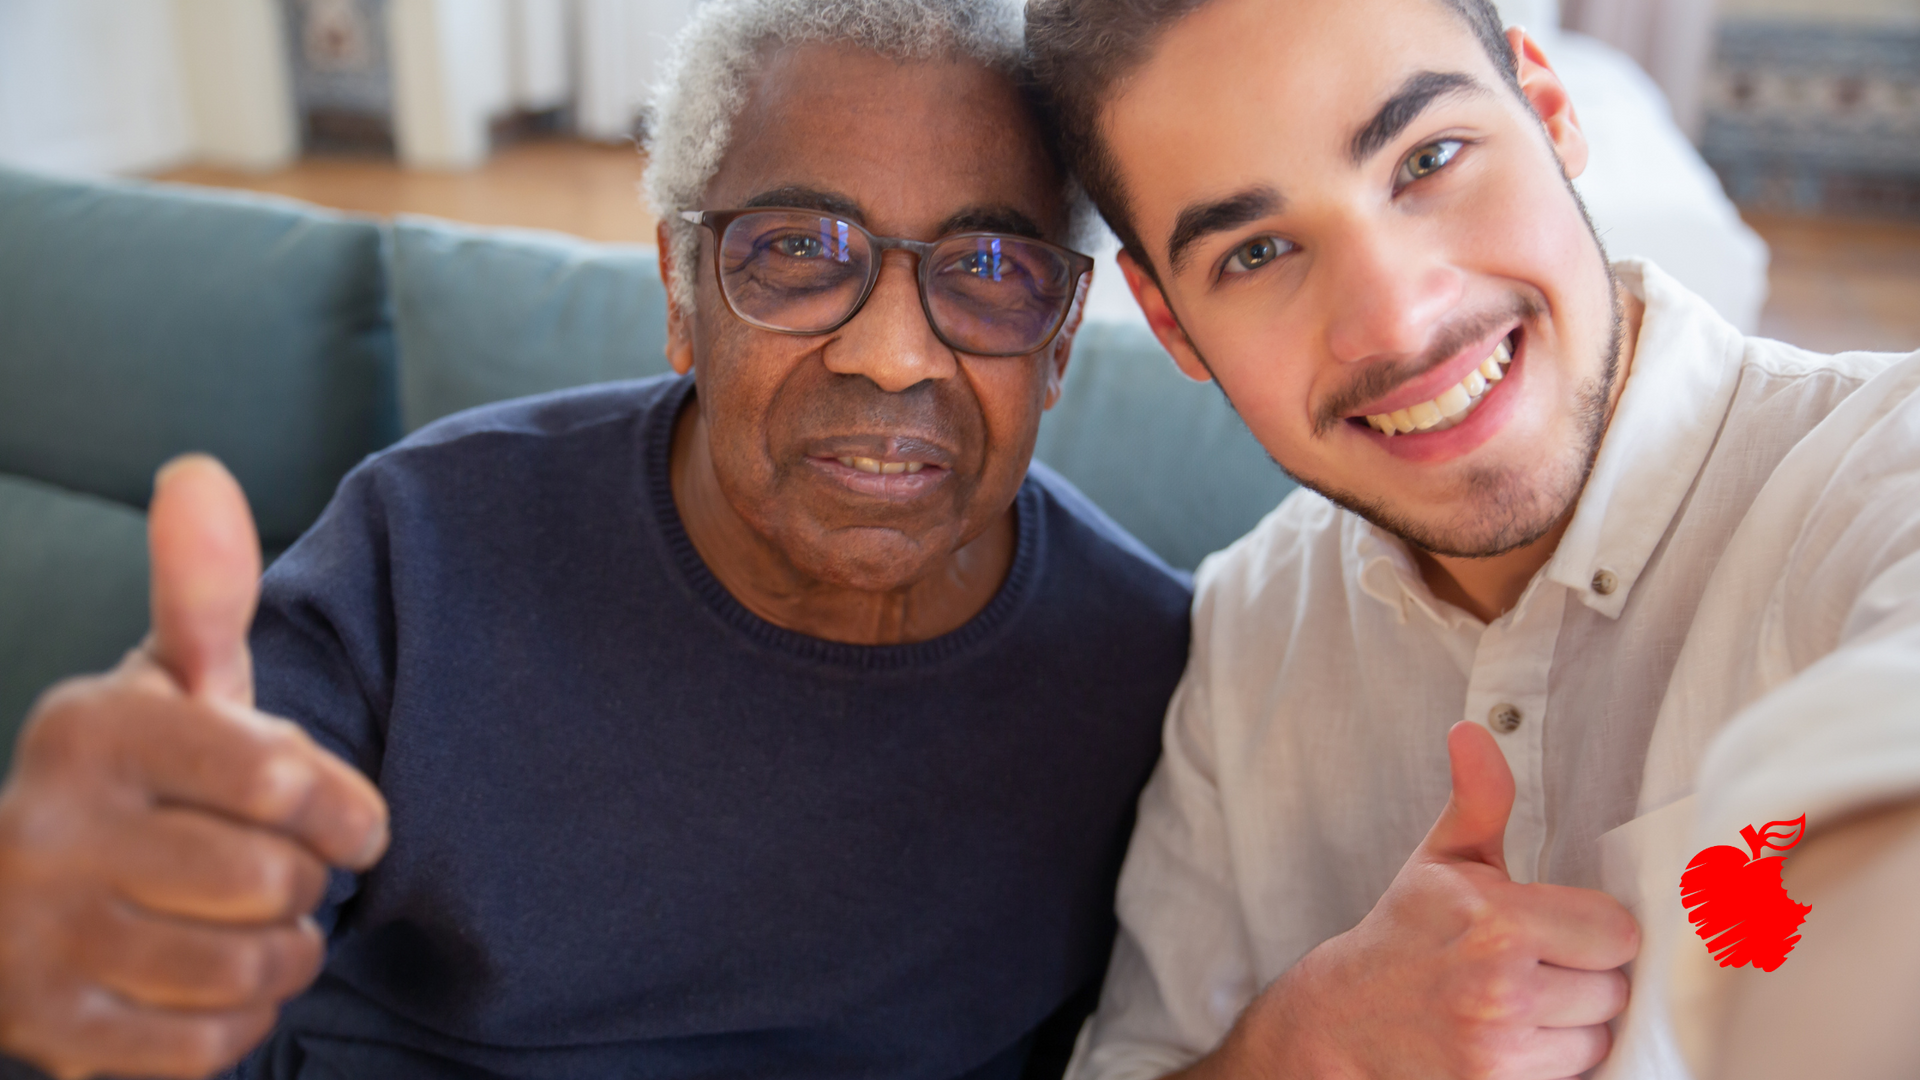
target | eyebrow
x=1406, y=105
x=1000, y=219
x=806, y=198
x=1200, y=220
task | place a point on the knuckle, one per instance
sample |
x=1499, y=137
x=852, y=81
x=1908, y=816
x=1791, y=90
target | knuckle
x=272, y=784
x=1499, y=998
x=299, y=954
x=267, y=877
x=235, y=971
x=205, y=1046
x=65, y=728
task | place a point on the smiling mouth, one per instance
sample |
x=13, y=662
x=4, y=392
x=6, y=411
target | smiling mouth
x=1454, y=404
x=882, y=468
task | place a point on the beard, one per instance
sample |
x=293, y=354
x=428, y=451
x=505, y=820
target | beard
x=1500, y=508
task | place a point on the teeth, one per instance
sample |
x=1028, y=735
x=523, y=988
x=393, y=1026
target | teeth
x=1452, y=404
x=882, y=468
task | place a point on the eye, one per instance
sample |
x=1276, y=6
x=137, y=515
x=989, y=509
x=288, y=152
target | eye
x=1255, y=254
x=1428, y=160
x=980, y=264
x=799, y=246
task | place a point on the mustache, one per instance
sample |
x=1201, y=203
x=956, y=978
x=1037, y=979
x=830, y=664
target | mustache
x=929, y=412
x=1379, y=380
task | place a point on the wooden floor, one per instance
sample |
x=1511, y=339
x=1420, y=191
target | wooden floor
x=586, y=189
x=1836, y=284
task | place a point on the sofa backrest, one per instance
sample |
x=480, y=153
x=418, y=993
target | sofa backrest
x=138, y=322
x=142, y=321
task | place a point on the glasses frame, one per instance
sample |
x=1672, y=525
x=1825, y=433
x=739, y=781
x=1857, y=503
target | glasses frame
x=717, y=222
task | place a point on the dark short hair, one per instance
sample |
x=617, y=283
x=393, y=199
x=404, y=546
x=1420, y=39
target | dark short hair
x=1078, y=50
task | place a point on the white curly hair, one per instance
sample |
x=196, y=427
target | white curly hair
x=707, y=76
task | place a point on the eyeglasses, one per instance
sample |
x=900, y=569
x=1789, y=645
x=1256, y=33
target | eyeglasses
x=804, y=272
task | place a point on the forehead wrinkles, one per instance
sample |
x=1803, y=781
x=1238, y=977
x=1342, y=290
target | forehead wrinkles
x=911, y=141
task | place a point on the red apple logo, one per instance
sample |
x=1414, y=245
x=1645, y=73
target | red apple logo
x=1738, y=905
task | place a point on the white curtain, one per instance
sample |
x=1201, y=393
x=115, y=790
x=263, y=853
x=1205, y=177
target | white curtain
x=1671, y=39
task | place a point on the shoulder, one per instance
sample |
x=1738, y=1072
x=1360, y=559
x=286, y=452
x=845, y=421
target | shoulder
x=1303, y=535
x=527, y=448
x=1081, y=540
x=1257, y=588
x=550, y=416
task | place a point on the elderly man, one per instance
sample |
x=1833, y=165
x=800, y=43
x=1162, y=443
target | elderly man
x=1599, y=582
x=772, y=720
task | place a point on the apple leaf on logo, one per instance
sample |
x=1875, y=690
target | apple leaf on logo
x=1738, y=904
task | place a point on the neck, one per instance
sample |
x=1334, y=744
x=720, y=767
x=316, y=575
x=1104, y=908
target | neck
x=1489, y=587
x=758, y=573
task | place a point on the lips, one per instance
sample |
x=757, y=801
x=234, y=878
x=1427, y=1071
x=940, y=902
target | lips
x=892, y=467
x=1443, y=396
x=1452, y=404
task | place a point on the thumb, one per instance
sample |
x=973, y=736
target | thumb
x=206, y=578
x=1473, y=827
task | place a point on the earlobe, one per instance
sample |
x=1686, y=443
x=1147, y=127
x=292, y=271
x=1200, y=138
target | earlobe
x=679, y=348
x=1061, y=351
x=1161, y=320
x=1550, y=100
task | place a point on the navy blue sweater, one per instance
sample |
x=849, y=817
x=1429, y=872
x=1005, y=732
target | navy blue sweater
x=640, y=832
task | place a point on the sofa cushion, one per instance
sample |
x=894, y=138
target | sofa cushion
x=145, y=320
x=485, y=315
x=1167, y=457
x=73, y=590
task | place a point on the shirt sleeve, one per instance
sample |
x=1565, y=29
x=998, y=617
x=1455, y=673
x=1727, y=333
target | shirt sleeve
x=1182, y=968
x=1838, y=731
x=322, y=641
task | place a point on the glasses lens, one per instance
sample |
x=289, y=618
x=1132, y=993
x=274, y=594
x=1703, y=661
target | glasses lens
x=998, y=295
x=793, y=271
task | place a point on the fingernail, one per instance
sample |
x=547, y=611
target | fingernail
x=375, y=846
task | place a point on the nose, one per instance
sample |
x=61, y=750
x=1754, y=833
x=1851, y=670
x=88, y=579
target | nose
x=890, y=341
x=1390, y=291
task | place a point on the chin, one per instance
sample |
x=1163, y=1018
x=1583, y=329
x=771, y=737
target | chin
x=1489, y=511
x=873, y=560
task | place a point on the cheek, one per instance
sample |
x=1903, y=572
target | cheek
x=738, y=376
x=1265, y=373
x=1012, y=394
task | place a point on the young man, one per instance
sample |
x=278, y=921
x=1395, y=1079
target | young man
x=776, y=720
x=1662, y=582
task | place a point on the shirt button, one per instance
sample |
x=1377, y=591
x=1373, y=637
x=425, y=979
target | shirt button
x=1504, y=718
x=1604, y=582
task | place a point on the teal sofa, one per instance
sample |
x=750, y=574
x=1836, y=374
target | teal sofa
x=139, y=321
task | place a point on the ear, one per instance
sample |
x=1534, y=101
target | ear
x=1062, y=348
x=679, y=333
x=1160, y=318
x=1549, y=97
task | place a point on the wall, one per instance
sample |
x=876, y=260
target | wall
x=91, y=86
x=1853, y=12
x=97, y=86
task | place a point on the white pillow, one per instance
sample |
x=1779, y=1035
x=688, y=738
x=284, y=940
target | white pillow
x=1540, y=17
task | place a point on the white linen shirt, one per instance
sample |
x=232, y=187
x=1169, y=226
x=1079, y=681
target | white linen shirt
x=1728, y=634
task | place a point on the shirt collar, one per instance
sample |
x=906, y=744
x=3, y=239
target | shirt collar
x=1678, y=390
x=1685, y=364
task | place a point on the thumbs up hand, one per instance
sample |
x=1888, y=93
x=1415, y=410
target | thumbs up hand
x=1457, y=971
x=162, y=844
